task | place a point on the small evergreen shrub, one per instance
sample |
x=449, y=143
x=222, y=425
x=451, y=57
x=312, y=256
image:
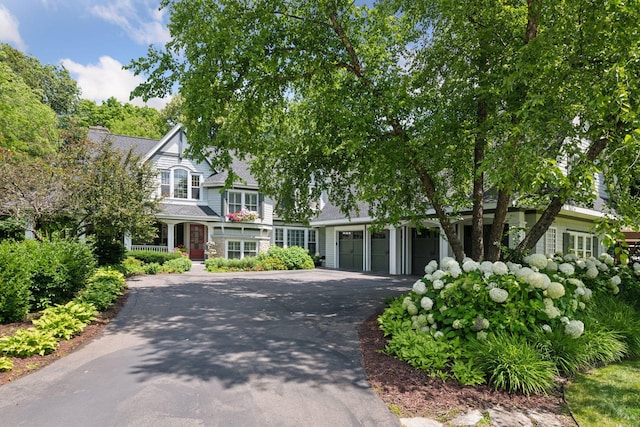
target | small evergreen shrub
x=152, y=268
x=108, y=252
x=15, y=285
x=103, y=288
x=132, y=266
x=58, y=270
x=150, y=257
x=27, y=342
x=177, y=265
x=294, y=257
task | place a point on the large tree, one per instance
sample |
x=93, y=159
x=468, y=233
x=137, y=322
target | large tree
x=413, y=107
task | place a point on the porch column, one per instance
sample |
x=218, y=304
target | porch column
x=393, y=256
x=444, y=245
x=170, y=236
x=127, y=240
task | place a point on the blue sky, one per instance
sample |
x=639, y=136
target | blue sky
x=93, y=39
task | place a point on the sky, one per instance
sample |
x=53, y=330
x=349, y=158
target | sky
x=93, y=39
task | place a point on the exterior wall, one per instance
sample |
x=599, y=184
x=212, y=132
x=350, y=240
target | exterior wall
x=331, y=248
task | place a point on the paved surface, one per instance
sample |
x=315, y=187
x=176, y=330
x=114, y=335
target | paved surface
x=198, y=349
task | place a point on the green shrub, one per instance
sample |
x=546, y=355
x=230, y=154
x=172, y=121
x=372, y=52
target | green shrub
x=109, y=252
x=270, y=263
x=103, y=288
x=515, y=365
x=152, y=268
x=58, y=270
x=150, y=257
x=132, y=266
x=15, y=285
x=616, y=315
x=294, y=257
x=177, y=265
x=5, y=364
x=224, y=264
x=27, y=342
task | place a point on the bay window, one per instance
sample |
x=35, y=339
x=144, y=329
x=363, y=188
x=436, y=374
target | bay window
x=180, y=184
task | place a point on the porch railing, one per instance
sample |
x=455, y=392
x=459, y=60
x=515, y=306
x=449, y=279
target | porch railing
x=150, y=248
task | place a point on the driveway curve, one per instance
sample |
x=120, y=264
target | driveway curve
x=201, y=349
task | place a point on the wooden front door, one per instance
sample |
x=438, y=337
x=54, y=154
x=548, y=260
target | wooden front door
x=196, y=241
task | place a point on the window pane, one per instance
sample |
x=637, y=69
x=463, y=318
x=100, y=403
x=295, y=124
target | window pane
x=251, y=202
x=195, y=187
x=180, y=184
x=165, y=184
x=235, y=202
x=279, y=237
x=295, y=238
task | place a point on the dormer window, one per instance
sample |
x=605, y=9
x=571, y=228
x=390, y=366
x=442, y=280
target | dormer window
x=180, y=184
x=243, y=200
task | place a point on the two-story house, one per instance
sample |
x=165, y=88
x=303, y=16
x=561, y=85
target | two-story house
x=197, y=209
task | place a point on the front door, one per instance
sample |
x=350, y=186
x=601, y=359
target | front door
x=196, y=241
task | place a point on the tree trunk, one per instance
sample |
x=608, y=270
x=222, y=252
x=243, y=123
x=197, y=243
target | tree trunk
x=497, y=228
x=477, y=220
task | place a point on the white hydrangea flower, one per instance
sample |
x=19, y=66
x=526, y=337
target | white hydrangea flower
x=537, y=260
x=443, y=308
x=580, y=291
x=430, y=319
x=419, y=287
x=582, y=305
x=492, y=285
x=575, y=282
x=592, y=272
x=615, y=280
x=607, y=259
x=564, y=319
x=636, y=266
x=406, y=301
x=470, y=266
x=566, y=268
x=555, y=290
x=498, y=295
x=581, y=263
x=428, y=277
x=426, y=303
x=466, y=259
x=513, y=267
x=438, y=274
x=412, y=309
x=438, y=334
x=550, y=310
x=587, y=294
x=500, y=268
x=574, y=328
x=552, y=266
x=438, y=284
x=574, y=304
x=457, y=324
x=571, y=257
x=546, y=328
x=431, y=267
x=481, y=336
x=523, y=273
x=455, y=271
x=486, y=267
x=447, y=263
x=538, y=280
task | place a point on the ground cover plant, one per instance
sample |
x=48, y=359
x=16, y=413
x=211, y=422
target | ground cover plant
x=607, y=396
x=151, y=262
x=276, y=258
x=515, y=326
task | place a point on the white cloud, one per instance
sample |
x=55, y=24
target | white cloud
x=144, y=23
x=9, y=29
x=106, y=79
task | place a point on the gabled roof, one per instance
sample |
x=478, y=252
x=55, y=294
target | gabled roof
x=140, y=146
x=240, y=168
x=188, y=211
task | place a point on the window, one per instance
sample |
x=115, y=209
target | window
x=295, y=238
x=180, y=184
x=279, y=237
x=581, y=244
x=311, y=244
x=234, y=250
x=180, y=177
x=235, y=201
x=165, y=183
x=239, y=250
x=551, y=241
x=195, y=187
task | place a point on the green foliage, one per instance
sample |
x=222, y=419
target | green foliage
x=109, y=252
x=609, y=313
x=103, y=288
x=132, y=266
x=5, y=364
x=84, y=312
x=65, y=321
x=513, y=364
x=224, y=264
x=149, y=257
x=152, y=268
x=293, y=257
x=58, y=269
x=15, y=291
x=27, y=342
x=177, y=265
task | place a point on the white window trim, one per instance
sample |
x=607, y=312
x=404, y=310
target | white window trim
x=547, y=235
x=575, y=236
x=190, y=174
x=285, y=236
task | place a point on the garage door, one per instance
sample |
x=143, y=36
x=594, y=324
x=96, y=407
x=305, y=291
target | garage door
x=350, y=250
x=380, y=252
x=425, y=246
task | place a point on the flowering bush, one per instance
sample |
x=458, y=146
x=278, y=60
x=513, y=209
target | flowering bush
x=472, y=302
x=242, y=215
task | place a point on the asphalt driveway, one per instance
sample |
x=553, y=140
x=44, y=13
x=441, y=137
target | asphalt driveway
x=200, y=349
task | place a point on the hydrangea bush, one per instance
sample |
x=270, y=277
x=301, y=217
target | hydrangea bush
x=471, y=303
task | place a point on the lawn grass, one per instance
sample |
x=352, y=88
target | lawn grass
x=606, y=397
